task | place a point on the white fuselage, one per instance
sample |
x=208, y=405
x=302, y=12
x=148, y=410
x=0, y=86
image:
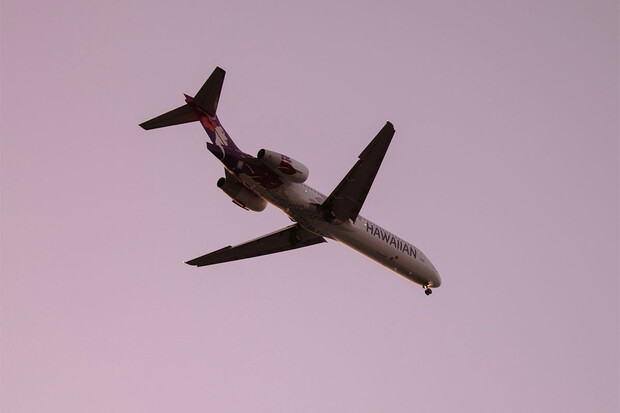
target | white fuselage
x=300, y=202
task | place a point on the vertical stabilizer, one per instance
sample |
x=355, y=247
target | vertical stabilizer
x=209, y=94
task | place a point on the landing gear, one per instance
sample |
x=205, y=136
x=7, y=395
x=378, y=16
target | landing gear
x=427, y=290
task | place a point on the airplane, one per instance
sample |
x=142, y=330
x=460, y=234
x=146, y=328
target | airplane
x=277, y=179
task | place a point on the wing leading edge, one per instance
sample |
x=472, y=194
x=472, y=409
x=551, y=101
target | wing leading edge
x=289, y=238
x=347, y=199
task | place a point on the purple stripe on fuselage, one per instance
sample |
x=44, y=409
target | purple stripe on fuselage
x=212, y=126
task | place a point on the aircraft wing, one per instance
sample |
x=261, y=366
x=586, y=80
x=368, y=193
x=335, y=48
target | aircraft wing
x=289, y=238
x=347, y=199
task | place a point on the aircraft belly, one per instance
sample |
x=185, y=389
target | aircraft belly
x=292, y=200
x=385, y=254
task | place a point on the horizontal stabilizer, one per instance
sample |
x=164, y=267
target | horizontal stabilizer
x=347, y=199
x=182, y=114
x=289, y=238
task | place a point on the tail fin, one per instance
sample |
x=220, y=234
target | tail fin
x=209, y=94
x=205, y=101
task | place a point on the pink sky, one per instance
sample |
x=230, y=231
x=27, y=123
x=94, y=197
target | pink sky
x=503, y=170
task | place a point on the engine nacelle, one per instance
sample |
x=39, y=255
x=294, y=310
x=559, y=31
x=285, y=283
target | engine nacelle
x=285, y=167
x=241, y=195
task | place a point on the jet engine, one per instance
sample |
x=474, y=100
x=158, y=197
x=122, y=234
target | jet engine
x=285, y=167
x=241, y=195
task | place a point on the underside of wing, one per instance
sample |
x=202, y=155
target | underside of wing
x=347, y=199
x=289, y=238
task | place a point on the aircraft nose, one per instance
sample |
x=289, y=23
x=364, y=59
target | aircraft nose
x=434, y=280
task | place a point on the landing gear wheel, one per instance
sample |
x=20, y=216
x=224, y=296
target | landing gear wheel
x=427, y=290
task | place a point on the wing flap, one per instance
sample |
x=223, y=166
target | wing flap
x=289, y=238
x=347, y=199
